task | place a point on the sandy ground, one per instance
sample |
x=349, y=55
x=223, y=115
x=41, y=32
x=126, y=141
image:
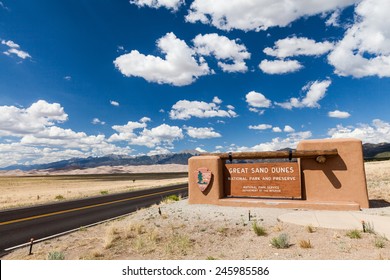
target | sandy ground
x=18, y=191
x=186, y=231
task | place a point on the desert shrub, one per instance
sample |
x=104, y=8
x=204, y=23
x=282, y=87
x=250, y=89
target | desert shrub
x=178, y=244
x=59, y=197
x=171, y=198
x=103, y=192
x=222, y=230
x=354, y=234
x=259, y=230
x=380, y=242
x=305, y=244
x=112, y=235
x=281, y=241
x=310, y=229
x=56, y=256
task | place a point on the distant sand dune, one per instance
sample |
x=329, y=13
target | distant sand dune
x=158, y=168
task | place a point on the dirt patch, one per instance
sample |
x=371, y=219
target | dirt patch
x=185, y=231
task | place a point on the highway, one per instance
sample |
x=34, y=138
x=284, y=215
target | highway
x=18, y=226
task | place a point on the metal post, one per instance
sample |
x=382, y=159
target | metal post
x=31, y=246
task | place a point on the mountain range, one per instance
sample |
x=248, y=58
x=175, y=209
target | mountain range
x=370, y=152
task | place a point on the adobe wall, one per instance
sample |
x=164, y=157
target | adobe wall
x=215, y=190
x=337, y=184
x=340, y=178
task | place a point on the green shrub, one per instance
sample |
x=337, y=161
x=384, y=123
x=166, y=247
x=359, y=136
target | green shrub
x=259, y=230
x=281, y=241
x=56, y=256
x=171, y=198
x=59, y=197
x=380, y=242
x=354, y=234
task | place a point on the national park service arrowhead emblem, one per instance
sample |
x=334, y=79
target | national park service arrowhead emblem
x=203, y=178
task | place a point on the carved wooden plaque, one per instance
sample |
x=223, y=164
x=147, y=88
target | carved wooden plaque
x=277, y=179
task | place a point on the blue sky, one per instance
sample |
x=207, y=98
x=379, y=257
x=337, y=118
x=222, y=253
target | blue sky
x=85, y=78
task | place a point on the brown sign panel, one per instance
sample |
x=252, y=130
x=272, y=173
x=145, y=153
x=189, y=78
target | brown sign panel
x=277, y=179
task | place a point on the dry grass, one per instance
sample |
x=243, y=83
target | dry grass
x=25, y=191
x=259, y=230
x=354, y=234
x=305, y=244
x=219, y=235
x=310, y=229
x=378, y=180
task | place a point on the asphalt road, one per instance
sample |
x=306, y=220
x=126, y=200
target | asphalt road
x=18, y=226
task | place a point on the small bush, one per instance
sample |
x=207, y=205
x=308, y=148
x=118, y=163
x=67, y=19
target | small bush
x=259, y=230
x=173, y=197
x=178, y=244
x=222, y=230
x=59, y=197
x=103, y=192
x=305, y=244
x=278, y=228
x=56, y=256
x=380, y=242
x=354, y=234
x=310, y=229
x=281, y=241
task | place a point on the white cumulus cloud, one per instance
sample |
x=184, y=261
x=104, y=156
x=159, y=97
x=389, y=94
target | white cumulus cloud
x=294, y=46
x=161, y=135
x=339, y=114
x=159, y=151
x=315, y=92
x=173, y=5
x=365, y=48
x=334, y=19
x=184, y=110
x=224, y=50
x=179, y=67
x=97, y=121
x=376, y=132
x=291, y=141
x=217, y=100
x=279, y=66
x=288, y=129
x=114, y=103
x=202, y=132
x=37, y=138
x=15, y=49
x=126, y=132
x=19, y=121
x=260, y=126
x=257, y=100
x=258, y=14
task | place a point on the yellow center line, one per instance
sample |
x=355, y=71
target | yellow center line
x=83, y=208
